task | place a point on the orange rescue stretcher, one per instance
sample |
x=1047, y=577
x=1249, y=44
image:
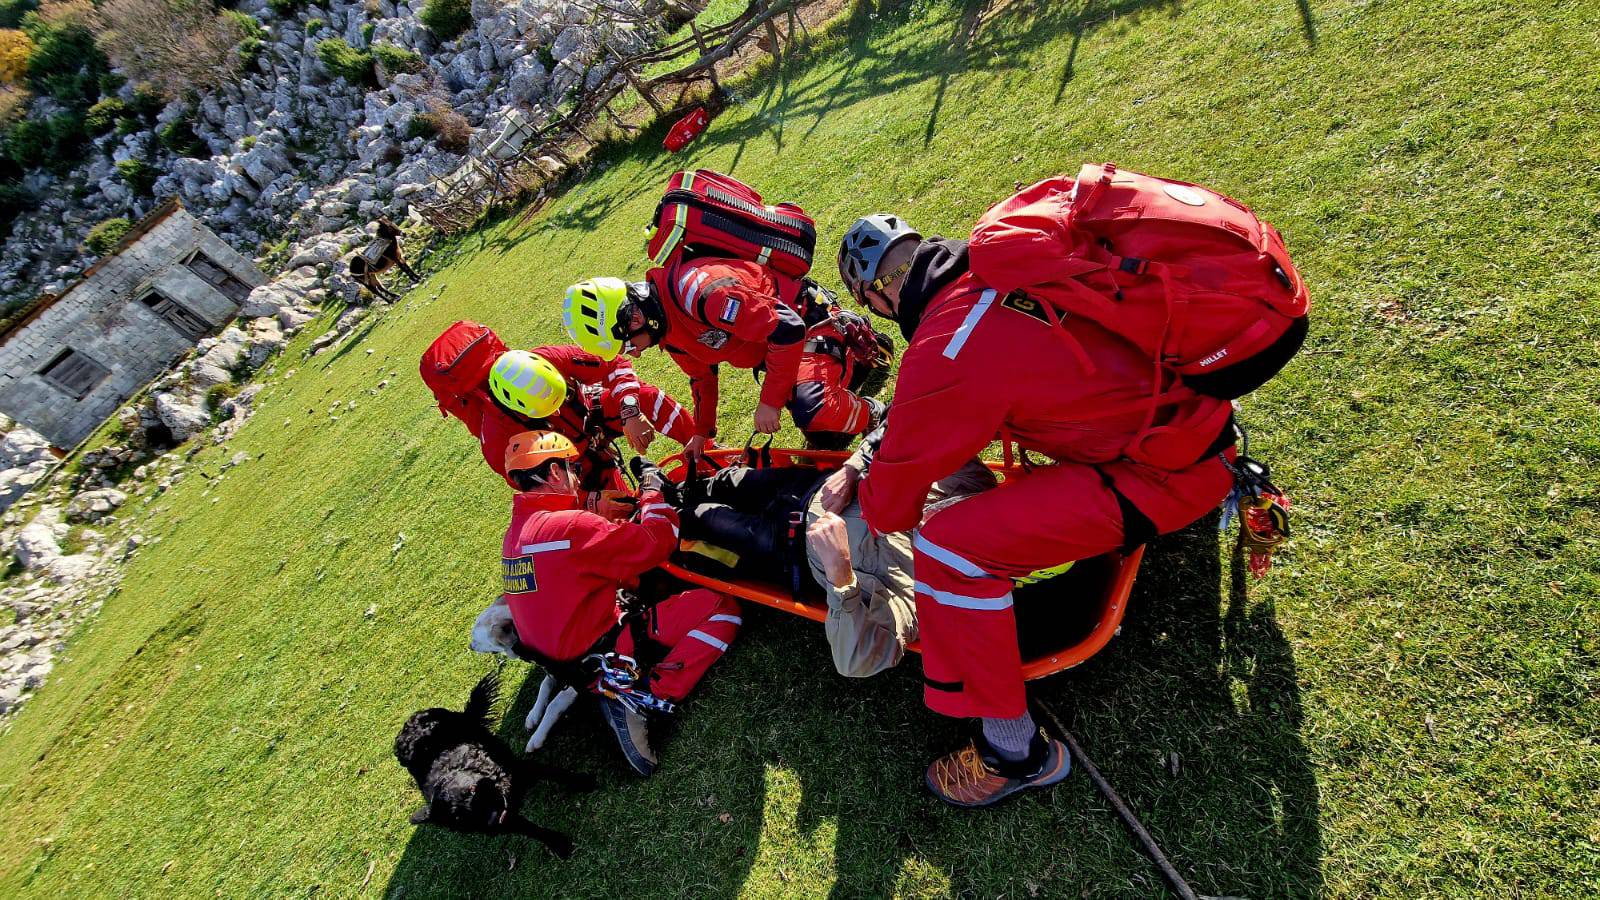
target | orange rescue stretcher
x=1061, y=622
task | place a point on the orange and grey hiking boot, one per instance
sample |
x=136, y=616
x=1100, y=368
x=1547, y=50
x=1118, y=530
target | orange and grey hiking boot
x=633, y=734
x=976, y=776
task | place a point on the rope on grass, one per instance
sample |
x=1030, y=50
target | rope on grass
x=1169, y=874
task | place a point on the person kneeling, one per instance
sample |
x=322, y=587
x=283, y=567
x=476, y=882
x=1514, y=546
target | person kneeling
x=793, y=525
x=564, y=567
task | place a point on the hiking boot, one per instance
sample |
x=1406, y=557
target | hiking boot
x=633, y=734
x=976, y=776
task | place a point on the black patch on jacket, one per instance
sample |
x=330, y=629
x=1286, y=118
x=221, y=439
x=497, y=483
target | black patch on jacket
x=1028, y=306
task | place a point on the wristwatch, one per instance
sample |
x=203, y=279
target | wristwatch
x=630, y=407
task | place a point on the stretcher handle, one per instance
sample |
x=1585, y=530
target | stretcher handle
x=758, y=457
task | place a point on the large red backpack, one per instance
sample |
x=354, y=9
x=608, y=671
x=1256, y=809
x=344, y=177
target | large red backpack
x=707, y=213
x=457, y=363
x=1187, y=274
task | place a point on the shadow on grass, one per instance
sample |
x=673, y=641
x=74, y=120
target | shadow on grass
x=351, y=341
x=1308, y=24
x=1090, y=15
x=1193, y=713
x=988, y=36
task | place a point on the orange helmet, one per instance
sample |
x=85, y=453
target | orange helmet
x=531, y=449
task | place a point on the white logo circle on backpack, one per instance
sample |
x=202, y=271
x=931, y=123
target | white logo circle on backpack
x=1184, y=194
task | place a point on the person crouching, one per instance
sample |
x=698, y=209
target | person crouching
x=563, y=567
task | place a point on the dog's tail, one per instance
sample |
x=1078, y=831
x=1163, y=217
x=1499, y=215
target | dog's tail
x=483, y=696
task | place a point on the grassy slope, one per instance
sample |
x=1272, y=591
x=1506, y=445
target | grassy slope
x=1405, y=707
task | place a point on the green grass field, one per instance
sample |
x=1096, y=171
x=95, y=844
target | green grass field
x=1405, y=707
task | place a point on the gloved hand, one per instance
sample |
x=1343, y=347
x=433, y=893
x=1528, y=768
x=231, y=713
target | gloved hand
x=647, y=474
x=616, y=506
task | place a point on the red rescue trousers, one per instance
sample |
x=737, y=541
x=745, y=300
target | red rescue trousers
x=967, y=553
x=696, y=626
x=822, y=400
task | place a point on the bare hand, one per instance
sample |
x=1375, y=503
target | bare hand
x=693, y=449
x=767, y=420
x=830, y=540
x=839, y=489
x=639, y=433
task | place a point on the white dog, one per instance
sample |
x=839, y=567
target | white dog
x=494, y=632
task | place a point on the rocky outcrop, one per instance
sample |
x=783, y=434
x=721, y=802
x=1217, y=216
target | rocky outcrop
x=53, y=593
x=294, y=158
x=185, y=415
x=25, y=459
x=92, y=506
x=294, y=151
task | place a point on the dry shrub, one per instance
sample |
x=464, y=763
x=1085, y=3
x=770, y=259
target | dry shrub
x=450, y=129
x=174, y=45
x=13, y=102
x=61, y=13
x=15, y=48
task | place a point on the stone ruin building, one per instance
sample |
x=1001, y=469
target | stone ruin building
x=73, y=360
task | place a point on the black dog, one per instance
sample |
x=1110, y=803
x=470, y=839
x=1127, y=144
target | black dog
x=470, y=780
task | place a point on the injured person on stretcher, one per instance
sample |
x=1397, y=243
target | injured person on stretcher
x=800, y=527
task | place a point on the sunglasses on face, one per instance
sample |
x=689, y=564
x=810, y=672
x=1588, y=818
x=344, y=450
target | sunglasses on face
x=620, y=330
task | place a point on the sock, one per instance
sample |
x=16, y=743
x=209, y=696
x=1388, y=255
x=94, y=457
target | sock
x=1010, y=738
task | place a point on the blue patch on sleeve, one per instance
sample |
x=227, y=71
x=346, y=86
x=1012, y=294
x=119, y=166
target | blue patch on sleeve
x=517, y=573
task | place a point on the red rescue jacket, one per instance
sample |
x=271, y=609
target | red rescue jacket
x=980, y=366
x=735, y=312
x=562, y=566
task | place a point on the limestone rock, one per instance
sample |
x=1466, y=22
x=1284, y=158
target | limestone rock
x=17, y=481
x=70, y=569
x=294, y=318
x=22, y=446
x=37, y=545
x=92, y=506
x=266, y=338
x=183, y=417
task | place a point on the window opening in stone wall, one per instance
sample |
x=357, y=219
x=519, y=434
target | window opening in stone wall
x=180, y=317
x=74, y=372
x=212, y=273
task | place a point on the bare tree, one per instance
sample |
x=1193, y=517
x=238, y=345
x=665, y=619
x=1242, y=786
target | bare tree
x=173, y=45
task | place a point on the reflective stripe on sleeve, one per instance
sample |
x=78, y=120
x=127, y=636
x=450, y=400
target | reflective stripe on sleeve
x=546, y=546
x=923, y=545
x=699, y=635
x=965, y=331
x=962, y=601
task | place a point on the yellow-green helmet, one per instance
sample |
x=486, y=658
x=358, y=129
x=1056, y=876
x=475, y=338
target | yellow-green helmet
x=526, y=383
x=591, y=312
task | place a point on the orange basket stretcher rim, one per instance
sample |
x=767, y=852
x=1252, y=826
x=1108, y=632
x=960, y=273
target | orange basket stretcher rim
x=1113, y=601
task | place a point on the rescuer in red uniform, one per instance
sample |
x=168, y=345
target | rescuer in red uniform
x=711, y=311
x=1132, y=454
x=590, y=401
x=563, y=566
